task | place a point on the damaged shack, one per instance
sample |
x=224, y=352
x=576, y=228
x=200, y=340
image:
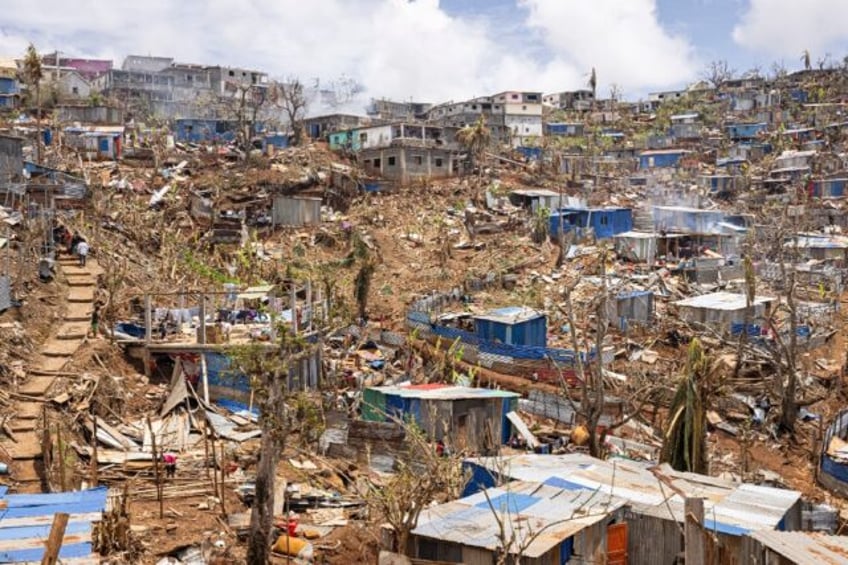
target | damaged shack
x=466, y=418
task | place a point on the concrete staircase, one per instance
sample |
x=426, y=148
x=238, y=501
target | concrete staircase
x=27, y=424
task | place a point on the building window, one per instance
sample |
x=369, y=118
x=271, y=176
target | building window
x=524, y=107
x=438, y=161
x=392, y=161
x=232, y=73
x=474, y=106
x=418, y=159
x=604, y=220
x=75, y=90
x=515, y=97
x=377, y=163
x=189, y=78
x=363, y=137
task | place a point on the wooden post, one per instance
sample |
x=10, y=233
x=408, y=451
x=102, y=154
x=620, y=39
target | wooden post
x=54, y=540
x=201, y=337
x=156, y=470
x=46, y=443
x=214, y=463
x=148, y=320
x=204, y=373
x=94, y=447
x=206, y=447
x=693, y=534
x=61, y=449
x=294, y=307
x=223, y=481
x=309, y=304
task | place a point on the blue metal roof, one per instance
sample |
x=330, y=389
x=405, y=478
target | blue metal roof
x=26, y=520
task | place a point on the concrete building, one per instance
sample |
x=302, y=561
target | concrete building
x=10, y=88
x=513, y=117
x=580, y=100
x=392, y=110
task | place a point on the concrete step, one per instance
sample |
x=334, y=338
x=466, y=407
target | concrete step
x=52, y=364
x=19, y=426
x=37, y=386
x=81, y=282
x=78, y=312
x=76, y=330
x=80, y=294
x=28, y=411
x=27, y=446
x=59, y=348
x=27, y=473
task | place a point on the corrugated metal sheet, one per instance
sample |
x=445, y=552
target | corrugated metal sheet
x=443, y=392
x=732, y=508
x=295, y=211
x=540, y=517
x=721, y=301
x=5, y=293
x=26, y=522
x=805, y=548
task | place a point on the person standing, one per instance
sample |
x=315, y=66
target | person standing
x=170, y=461
x=82, y=252
x=95, y=320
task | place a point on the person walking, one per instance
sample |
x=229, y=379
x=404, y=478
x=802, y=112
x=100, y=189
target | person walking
x=82, y=252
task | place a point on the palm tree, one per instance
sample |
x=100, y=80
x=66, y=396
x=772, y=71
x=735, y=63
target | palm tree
x=476, y=139
x=593, y=82
x=805, y=57
x=684, y=445
x=32, y=75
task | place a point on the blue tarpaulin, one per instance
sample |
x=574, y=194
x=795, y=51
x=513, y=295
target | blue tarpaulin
x=27, y=518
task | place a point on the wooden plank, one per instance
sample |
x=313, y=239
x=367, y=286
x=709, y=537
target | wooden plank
x=44, y=520
x=54, y=540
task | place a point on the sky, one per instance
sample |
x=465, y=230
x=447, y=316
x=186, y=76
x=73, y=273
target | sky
x=440, y=50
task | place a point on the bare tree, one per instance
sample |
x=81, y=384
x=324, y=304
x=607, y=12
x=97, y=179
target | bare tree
x=592, y=402
x=33, y=74
x=268, y=371
x=421, y=477
x=806, y=59
x=616, y=93
x=718, y=72
x=778, y=70
x=291, y=97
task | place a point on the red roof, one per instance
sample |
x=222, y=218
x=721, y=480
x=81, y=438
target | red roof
x=427, y=386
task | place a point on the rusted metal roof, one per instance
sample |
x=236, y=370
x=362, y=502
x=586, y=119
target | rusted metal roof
x=805, y=548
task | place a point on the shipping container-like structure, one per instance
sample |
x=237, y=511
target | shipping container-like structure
x=604, y=222
x=723, y=309
x=514, y=325
x=464, y=417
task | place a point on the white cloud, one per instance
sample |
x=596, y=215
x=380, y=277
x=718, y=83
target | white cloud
x=622, y=39
x=787, y=27
x=396, y=48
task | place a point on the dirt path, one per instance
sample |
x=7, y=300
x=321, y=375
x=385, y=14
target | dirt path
x=27, y=423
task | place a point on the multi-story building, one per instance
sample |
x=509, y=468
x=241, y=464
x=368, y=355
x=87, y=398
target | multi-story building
x=514, y=117
x=580, y=100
